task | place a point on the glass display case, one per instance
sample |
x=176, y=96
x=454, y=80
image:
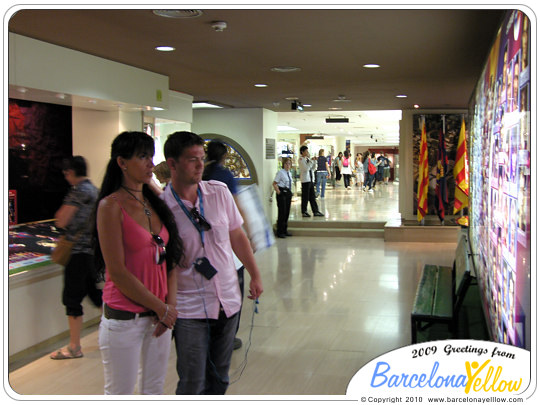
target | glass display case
x=30, y=245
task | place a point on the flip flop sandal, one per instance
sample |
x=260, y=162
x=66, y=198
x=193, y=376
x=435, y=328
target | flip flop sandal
x=71, y=354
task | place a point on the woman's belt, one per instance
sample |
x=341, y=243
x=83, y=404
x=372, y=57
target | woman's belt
x=111, y=313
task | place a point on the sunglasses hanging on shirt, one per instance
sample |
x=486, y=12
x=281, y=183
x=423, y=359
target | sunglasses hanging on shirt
x=161, y=251
x=201, y=221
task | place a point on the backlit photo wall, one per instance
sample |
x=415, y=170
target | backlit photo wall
x=500, y=181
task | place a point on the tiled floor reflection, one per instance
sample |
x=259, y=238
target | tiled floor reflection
x=354, y=204
x=330, y=305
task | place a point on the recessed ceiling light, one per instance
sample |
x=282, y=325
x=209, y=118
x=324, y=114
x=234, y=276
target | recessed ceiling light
x=401, y=96
x=165, y=48
x=416, y=106
x=335, y=108
x=306, y=105
x=178, y=13
x=204, y=104
x=341, y=99
x=285, y=69
x=372, y=66
x=261, y=85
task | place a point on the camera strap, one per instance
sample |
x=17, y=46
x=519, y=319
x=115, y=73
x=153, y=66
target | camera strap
x=186, y=211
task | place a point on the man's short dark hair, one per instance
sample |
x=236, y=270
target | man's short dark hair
x=302, y=148
x=178, y=141
x=75, y=163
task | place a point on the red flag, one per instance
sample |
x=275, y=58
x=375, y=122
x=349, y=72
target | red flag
x=423, y=178
x=461, y=172
x=442, y=166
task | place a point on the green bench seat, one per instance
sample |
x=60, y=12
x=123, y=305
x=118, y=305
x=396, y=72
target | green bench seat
x=440, y=293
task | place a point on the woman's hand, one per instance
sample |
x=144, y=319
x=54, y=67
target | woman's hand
x=168, y=316
x=160, y=329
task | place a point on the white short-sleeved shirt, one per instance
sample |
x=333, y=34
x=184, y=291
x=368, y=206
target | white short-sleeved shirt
x=283, y=179
x=306, y=166
x=197, y=297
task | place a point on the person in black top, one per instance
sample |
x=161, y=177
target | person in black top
x=386, y=169
x=216, y=153
x=322, y=174
x=80, y=275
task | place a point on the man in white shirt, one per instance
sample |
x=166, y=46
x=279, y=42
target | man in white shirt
x=208, y=294
x=307, y=177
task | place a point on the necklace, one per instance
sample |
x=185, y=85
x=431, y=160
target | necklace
x=161, y=252
x=132, y=189
x=147, y=212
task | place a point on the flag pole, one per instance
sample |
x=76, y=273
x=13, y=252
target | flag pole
x=422, y=191
x=443, y=134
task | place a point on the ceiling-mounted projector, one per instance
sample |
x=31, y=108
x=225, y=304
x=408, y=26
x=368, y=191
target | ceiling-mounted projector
x=297, y=106
x=336, y=120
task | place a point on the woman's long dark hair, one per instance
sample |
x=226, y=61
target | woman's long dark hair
x=126, y=145
x=215, y=151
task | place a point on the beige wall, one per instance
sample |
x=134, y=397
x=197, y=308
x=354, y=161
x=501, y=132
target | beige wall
x=93, y=133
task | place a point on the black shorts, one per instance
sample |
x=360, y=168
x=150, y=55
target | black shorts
x=80, y=279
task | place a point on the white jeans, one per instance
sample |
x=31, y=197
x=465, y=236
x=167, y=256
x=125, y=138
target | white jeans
x=130, y=352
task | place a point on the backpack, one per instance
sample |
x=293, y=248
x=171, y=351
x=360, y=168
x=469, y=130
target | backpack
x=371, y=167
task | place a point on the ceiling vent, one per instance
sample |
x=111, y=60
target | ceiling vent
x=178, y=13
x=336, y=120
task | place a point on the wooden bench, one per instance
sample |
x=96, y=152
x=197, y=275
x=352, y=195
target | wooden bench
x=440, y=293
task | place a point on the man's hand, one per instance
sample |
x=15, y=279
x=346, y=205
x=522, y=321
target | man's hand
x=255, y=288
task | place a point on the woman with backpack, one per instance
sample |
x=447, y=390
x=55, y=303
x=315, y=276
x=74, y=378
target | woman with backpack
x=372, y=170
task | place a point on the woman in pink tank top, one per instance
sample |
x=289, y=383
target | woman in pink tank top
x=139, y=246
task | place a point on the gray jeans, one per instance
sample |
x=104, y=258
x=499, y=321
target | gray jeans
x=203, y=354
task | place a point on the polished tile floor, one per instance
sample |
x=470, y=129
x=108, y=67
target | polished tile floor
x=330, y=305
x=340, y=204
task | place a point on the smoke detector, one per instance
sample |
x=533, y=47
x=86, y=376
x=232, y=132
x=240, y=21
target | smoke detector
x=219, y=26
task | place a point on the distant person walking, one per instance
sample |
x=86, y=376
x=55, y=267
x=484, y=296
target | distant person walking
x=306, y=178
x=283, y=187
x=322, y=174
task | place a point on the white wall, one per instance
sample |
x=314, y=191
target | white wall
x=249, y=127
x=40, y=65
x=179, y=108
x=36, y=312
x=269, y=168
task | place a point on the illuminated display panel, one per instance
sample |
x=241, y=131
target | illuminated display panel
x=500, y=183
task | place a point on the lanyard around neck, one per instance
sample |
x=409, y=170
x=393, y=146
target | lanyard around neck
x=184, y=208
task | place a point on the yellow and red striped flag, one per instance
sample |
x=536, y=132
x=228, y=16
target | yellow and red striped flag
x=423, y=176
x=461, y=172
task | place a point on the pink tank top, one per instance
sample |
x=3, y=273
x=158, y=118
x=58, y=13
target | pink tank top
x=140, y=259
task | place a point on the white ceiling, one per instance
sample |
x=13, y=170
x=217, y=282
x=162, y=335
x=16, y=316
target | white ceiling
x=371, y=128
